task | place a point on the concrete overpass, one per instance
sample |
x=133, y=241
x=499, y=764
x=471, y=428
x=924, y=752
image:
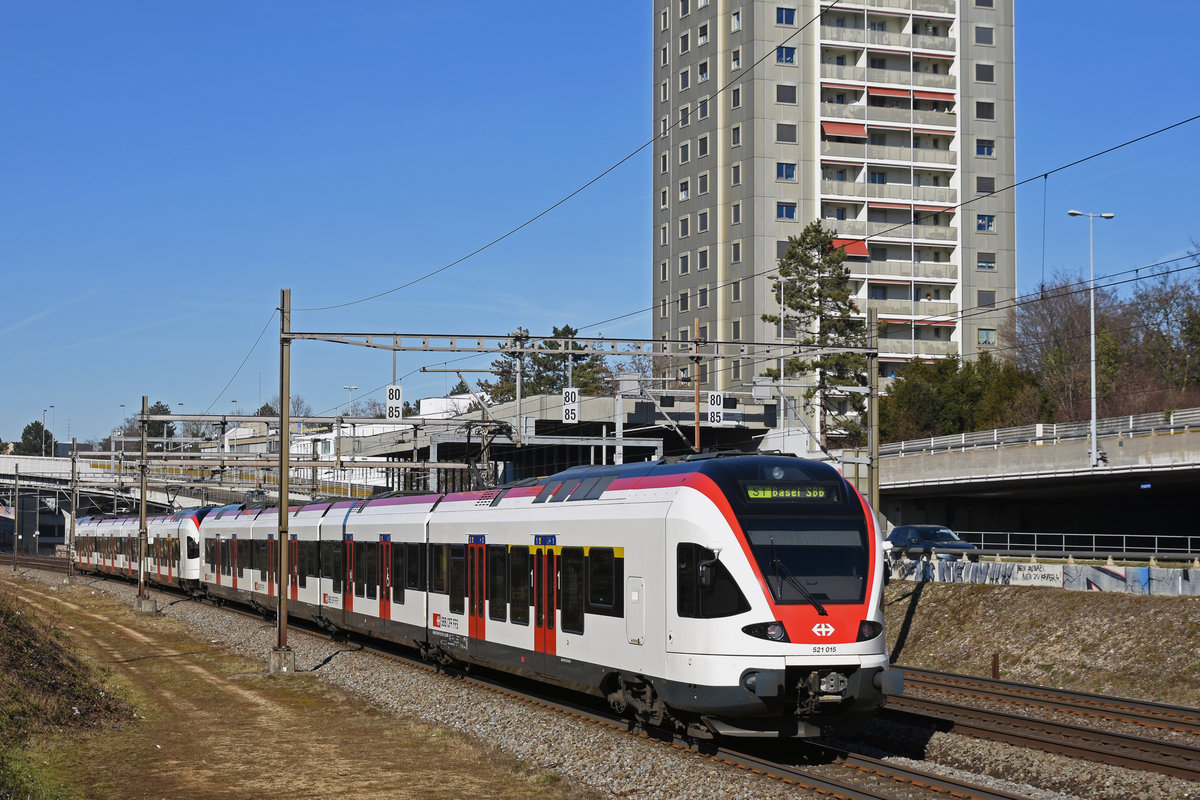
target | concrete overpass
x=1039, y=478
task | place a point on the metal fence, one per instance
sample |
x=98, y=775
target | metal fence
x=1087, y=545
x=1050, y=433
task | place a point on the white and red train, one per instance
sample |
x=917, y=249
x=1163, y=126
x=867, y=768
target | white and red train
x=738, y=595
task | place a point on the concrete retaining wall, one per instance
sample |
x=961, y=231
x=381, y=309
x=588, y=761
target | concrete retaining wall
x=1080, y=577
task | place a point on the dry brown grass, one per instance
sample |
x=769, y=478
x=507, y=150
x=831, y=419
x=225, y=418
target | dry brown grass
x=213, y=726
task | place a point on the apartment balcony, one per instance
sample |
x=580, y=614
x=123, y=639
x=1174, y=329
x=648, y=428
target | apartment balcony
x=918, y=347
x=844, y=188
x=927, y=155
x=919, y=270
x=889, y=39
x=936, y=6
x=936, y=194
x=843, y=149
x=922, y=308
x=930, y=80
x=887, y=4
x=886, y=153
x=900, y=76
x=846, y=227
x=832, y=33
x=839, y=73
x=943, y=233
x=889, y=191
x=882, y=114
x=902, y=230
x=923, y=42
x=844, y=110
x=944, y=118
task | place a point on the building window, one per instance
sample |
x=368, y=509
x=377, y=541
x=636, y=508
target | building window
x=785, y=132
x=702, y=70
x=702, y=302
x=684, y=264
x=685, y=43
x=985, y=147
x=983, y=35
x=735, y=60
x=735, y=136
x=702, y=258
x=662, y=56
x=785, y=93
x=685, y=79
x=662, y=308
x=664, y=91
x=785, y=55
x=663, y=235
x=685, y=227
x=736, y=97
x=877, y=25
x=985, y=223
x=664, y=19
x=735, y=371
x=662, y=270
x=685, y=153
x=839, y=213
x=878, y=177
x=662, y=198
x=785, y=16
x=664, y=125
x=662, y=163
x=985, y=73
x=684, y=8
x=985, y=260
x=985, y=4
x=736, y=174
x=702, y=109
x=702, y=34
x=735, y=253
x=985, y=110
x=735, y=22
x=986, y=337
x=685, y=191
x=735, y=330
x=735, y=214
x=683, y=301
x=702, y=222
x=785, y=211
x=735, y=291
x=685, y=116
x=785, y=171
x=702, y=183
x=877, y=62
x=986, y=298
x=702, y=146
x=984, y=185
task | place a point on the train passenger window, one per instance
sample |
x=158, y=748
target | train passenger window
x=458, y=579
x=717, y=597
x=518, y=584
x=497, y=579
x=193, y=548
x=547, y=491
x=592, y=488
x=226, y=559
x=573, y=588
x=398, y=571
x=331, y=563
x=416, y=563
x=439, y=566
x=567, y=488
x=604, y=582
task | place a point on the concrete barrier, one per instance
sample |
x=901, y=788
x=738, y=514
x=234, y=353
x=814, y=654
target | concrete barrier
x=1160, y=581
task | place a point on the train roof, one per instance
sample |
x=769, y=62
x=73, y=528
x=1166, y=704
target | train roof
x=735, y=466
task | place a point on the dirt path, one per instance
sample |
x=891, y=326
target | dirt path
x=213, y=725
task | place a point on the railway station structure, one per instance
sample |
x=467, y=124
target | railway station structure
x=890, y=121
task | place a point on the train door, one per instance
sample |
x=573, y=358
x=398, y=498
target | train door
x=545, y=595
x=476, y=590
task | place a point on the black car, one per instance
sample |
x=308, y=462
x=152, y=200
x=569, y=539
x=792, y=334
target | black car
x=921, y=539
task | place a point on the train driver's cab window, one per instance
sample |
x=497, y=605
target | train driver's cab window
x=705, y=588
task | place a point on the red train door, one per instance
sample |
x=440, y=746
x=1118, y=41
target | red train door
x=385, y=576
x=545, y=596
x=476, y=586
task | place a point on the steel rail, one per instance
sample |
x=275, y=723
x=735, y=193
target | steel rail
x=1184, y=719
x=1136, y=752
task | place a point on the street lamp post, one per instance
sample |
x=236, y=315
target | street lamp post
x=350, y=408
x=53, y=424
x=43, y=433
x=1095, y=449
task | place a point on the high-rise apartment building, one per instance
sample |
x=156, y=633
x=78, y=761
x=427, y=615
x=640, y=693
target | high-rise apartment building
x=891, y=121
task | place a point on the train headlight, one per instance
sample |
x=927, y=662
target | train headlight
x=773, y=631
x=869, y=629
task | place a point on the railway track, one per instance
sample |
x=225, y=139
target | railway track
x=1160, y=716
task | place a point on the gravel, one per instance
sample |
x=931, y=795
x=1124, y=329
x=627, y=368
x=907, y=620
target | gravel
x=612, y=763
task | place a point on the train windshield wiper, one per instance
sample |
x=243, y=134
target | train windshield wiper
x=783, y=574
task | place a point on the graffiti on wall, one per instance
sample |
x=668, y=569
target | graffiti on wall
x=1078, y=577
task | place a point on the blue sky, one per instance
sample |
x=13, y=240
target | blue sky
x=169, y=167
